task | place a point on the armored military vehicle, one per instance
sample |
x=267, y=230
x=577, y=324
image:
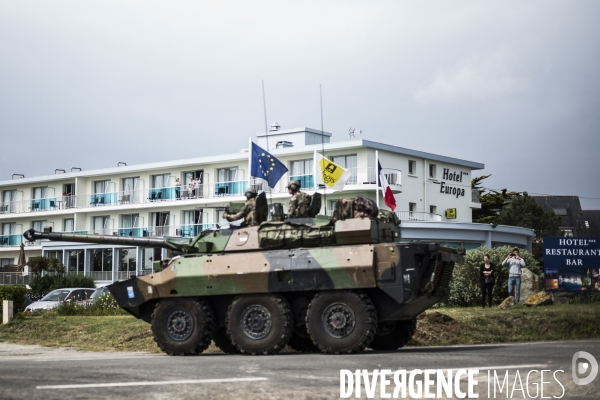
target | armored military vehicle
x=313, y=284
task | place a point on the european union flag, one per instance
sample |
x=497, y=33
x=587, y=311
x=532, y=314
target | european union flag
x=265, y=166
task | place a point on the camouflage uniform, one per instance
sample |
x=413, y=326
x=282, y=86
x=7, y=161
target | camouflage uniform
x=299, y=205
x=365, y=208
x=361, y=207
x=247, y=213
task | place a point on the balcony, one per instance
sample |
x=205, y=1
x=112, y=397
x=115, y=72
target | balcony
x=475, y=199
x=103, y=199
x=418, y=216
x=14, y=278
x=306, y=181
x=132, y=232
x=49, y=203
x=101, y=275
x=234, y=188
x=192, y=230
x=11, y=240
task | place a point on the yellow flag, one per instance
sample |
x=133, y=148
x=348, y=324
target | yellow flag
x=330, y=174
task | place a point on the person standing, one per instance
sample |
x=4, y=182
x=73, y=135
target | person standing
x=514, y=263
x=191, y=187
x=486, y=273
x=177, y=188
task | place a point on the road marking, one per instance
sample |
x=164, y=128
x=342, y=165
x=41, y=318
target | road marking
x=94, y=358
x=120, y=384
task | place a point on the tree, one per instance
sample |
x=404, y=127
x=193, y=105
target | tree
x=525, y=212
x=492, y=202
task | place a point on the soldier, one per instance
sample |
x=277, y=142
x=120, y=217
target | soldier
x=365, y=208
x=247, y=212
x=299, y=203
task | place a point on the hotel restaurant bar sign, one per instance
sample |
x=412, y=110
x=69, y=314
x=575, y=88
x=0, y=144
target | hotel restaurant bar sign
x=572, y=264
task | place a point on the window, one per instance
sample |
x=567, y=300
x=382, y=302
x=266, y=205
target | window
x=432, y=209
x=227, y=174
x=432, y=171
x=412, y=167
x=127, y=261
x=75, y=261
x=188, y=175
x=160, y=221
x=566, y=232
x=101, y=186
x=40, y=192
x=57, y=254
x=101, y=264
x=68, y=225
x=129, y=221
x=161, y=181
x=38, y=225
x=5, y=262
x=101, y=225
x=412, y=207
x=9, y=228
x=302, y=170
x=9, y=198
x=350, y=163
x=587, y=224
x=220, y=219
x=560, y=211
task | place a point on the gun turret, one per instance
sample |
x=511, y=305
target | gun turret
x=182, y=245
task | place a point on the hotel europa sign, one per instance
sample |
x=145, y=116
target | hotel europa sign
x=450, y=179
x=572, y=264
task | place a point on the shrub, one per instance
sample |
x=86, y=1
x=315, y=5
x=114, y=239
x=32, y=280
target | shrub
x=465, y=288
x=14, y=293
x=103, y=305
x=42, y=285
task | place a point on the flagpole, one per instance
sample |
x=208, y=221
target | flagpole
x=377, y=177
x=250, y=162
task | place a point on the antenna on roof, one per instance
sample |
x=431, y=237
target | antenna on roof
x=322, y=144
x=351, y=133
x=266, y=134
x=78, y=169
x=18, y=175
x=121, y=162
x=60, y=170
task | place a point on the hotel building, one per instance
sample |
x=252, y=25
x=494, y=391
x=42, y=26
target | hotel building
x=433, y=196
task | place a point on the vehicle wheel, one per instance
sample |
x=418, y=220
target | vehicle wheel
x=183, y=327
x=301, y=341
x=259, y=324
x=392, y=335
x=223, y=342
x=342, y=321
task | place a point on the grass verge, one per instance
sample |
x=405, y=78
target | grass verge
x=437, y=327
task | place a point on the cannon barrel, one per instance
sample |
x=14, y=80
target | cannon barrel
x=177, y=244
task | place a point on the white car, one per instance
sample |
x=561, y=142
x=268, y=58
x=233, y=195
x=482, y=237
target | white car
x=55, y=297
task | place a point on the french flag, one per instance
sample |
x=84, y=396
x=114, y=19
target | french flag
x=388, y=197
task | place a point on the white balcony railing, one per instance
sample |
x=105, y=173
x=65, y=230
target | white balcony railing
x=14, y=278
x=418, y=216
x=359, y=176
x=101, y=275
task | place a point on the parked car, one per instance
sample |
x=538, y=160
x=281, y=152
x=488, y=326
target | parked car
x=55, y=297
x=97, y=293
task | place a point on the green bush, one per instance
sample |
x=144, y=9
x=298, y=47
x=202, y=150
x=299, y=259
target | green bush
x=465, y=288
x=14, y=293
x=42, y=285
x=104, y=305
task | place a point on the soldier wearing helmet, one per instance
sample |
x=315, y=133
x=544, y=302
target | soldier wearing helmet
x=247, y=212
x=299, y=203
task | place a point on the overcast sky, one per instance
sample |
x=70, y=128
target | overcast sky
x=513, y=84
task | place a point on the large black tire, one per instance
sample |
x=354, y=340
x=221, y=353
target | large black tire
x=259, y=324
x=341, y=322
x=301, y=341
x=183, y=326
x=392, y=335
x=223, y=342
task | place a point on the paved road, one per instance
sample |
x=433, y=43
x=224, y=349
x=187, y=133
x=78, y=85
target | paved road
x=30, y=372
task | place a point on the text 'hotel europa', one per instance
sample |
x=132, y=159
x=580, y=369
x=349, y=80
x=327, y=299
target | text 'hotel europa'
x=454, y=177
